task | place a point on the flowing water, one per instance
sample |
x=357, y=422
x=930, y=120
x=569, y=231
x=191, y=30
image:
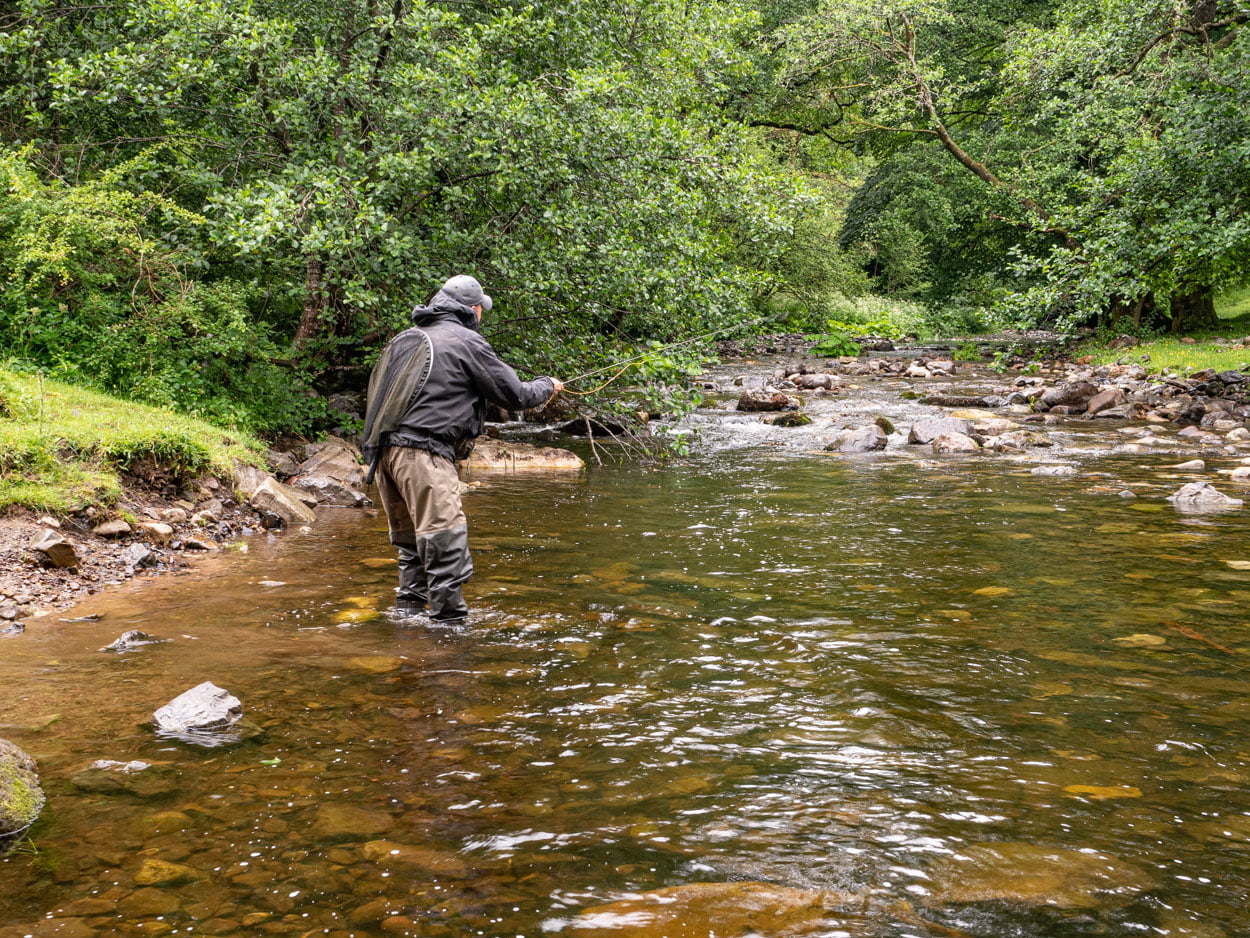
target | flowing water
x=765, y=665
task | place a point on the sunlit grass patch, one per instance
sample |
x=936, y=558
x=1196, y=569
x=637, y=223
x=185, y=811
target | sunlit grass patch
x=62, y=447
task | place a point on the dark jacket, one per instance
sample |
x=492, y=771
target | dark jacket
x=465, y=373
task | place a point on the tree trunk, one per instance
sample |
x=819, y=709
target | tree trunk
x=1193, y=309
x=315, y=299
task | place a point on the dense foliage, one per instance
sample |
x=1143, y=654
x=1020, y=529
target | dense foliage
x=1077, y=159
x=224, y=205
x=282, y=181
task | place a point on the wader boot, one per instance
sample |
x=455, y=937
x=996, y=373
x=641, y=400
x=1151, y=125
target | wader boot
x=445, y=558
x=410, y=598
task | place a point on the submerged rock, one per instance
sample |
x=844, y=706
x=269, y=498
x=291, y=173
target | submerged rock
x=793, y=418
x=1031, y=874
x=137, y=778
x=21, y=798
x=699, y=910
x=1202, y=496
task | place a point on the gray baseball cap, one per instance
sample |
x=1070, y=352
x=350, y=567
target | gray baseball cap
x=465, y=289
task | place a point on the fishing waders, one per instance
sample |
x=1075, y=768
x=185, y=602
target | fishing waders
x=420, y=493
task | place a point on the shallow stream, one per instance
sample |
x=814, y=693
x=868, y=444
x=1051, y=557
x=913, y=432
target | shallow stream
x=768, y=664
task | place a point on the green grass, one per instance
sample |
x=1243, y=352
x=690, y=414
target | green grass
x=1169, y=353
x=62, y=448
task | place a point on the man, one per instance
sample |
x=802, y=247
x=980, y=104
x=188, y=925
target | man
x=427, y=402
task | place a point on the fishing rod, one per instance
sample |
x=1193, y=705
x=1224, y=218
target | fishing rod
x=624, y=364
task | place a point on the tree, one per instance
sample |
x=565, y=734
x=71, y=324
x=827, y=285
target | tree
x=1094, y=127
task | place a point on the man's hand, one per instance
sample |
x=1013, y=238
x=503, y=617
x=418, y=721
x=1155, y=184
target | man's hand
x=559, y=386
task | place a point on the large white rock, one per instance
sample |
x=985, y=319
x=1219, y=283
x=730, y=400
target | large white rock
x=204, y=707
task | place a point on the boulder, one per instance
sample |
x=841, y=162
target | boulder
x=284, y=465
x=331, y=492
x=338, y=462
x=928, y=429
x=1103, y=400
x=1076, y=393
x=137, y=555
x=815, y=382
x=1202, y=496
x=859, y=440
x=496, y=456
x=954, y=443
x=757, y=401
x=247, y=479
x=111, y=529
x=56, y=550
x=1240, y=474
x=200, y=714
x=21, y=798
x=277, y=499
x=156, y=532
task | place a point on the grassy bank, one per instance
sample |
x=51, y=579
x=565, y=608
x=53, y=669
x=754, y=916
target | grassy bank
x=63, y=448
x=1175, y=353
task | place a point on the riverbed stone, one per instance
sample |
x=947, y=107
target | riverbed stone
x=1191, y=465
x=136, y=778
x=926, y=430
x=698, y=910
x=1202, y=496
x=21, y=798
x=148, y=902
x=949, y=443
x=55, y=550
x=155, y=872
x=340, y=823
x=435, y=862
x=859, y=440
x=1240, y=474
x=1034, y=875
x=283, y=501
x=204, y=707
x=498, y=456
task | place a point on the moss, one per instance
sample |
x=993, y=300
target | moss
x=21, y=798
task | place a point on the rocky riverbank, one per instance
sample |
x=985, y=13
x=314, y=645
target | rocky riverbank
x=49, y=563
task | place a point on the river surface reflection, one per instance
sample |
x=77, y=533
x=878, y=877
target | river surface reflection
x=815, y=672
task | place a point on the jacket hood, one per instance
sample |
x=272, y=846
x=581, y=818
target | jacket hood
x=443, y=307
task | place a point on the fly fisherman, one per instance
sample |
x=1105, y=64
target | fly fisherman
x=427, y=403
